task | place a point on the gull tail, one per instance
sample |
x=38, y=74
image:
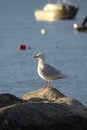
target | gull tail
x=62, y=76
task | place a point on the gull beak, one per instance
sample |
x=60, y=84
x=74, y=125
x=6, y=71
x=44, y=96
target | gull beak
x=35, y=57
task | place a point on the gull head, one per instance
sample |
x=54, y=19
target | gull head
x=39, y=56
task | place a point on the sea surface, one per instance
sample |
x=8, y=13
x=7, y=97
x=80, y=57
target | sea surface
x=65, y=49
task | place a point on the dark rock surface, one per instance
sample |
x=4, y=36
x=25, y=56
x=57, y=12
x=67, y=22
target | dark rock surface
x=44, y=109
x=9, y=99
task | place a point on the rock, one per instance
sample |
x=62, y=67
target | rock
x=46, y=93
x=44, y=109
x=7, y=99
x=50, y=94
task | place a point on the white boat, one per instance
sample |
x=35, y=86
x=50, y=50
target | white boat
x=57, y=11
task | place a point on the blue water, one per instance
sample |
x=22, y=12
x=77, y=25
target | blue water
x=65, y=49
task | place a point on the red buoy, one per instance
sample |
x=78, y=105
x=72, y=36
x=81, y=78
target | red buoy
x=22, y=47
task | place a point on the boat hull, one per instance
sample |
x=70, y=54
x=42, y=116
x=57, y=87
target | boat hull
x=55, y=15
x=81, y=28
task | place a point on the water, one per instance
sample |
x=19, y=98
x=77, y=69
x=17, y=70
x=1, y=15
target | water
x=65, y=49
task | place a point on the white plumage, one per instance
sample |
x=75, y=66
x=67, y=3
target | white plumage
x=46, y=71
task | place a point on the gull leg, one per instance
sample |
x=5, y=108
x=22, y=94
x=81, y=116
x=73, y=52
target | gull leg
x=48, y=83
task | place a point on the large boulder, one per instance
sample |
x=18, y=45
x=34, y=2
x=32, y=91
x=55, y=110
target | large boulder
x=43, y=109
x=7, y=99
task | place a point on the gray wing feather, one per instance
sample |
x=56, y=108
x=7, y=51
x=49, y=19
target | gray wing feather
x=50, y=71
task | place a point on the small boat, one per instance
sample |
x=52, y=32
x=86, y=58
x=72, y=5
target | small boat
x=80, y=28
x=57, y=11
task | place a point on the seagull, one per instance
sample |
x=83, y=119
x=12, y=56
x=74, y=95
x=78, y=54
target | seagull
x=46, y=71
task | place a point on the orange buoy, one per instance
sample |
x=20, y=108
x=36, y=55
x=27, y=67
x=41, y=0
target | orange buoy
x=22, y=47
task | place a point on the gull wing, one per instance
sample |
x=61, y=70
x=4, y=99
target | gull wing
x=50, y=72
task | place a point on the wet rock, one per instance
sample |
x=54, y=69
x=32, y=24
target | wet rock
x=44, y=109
